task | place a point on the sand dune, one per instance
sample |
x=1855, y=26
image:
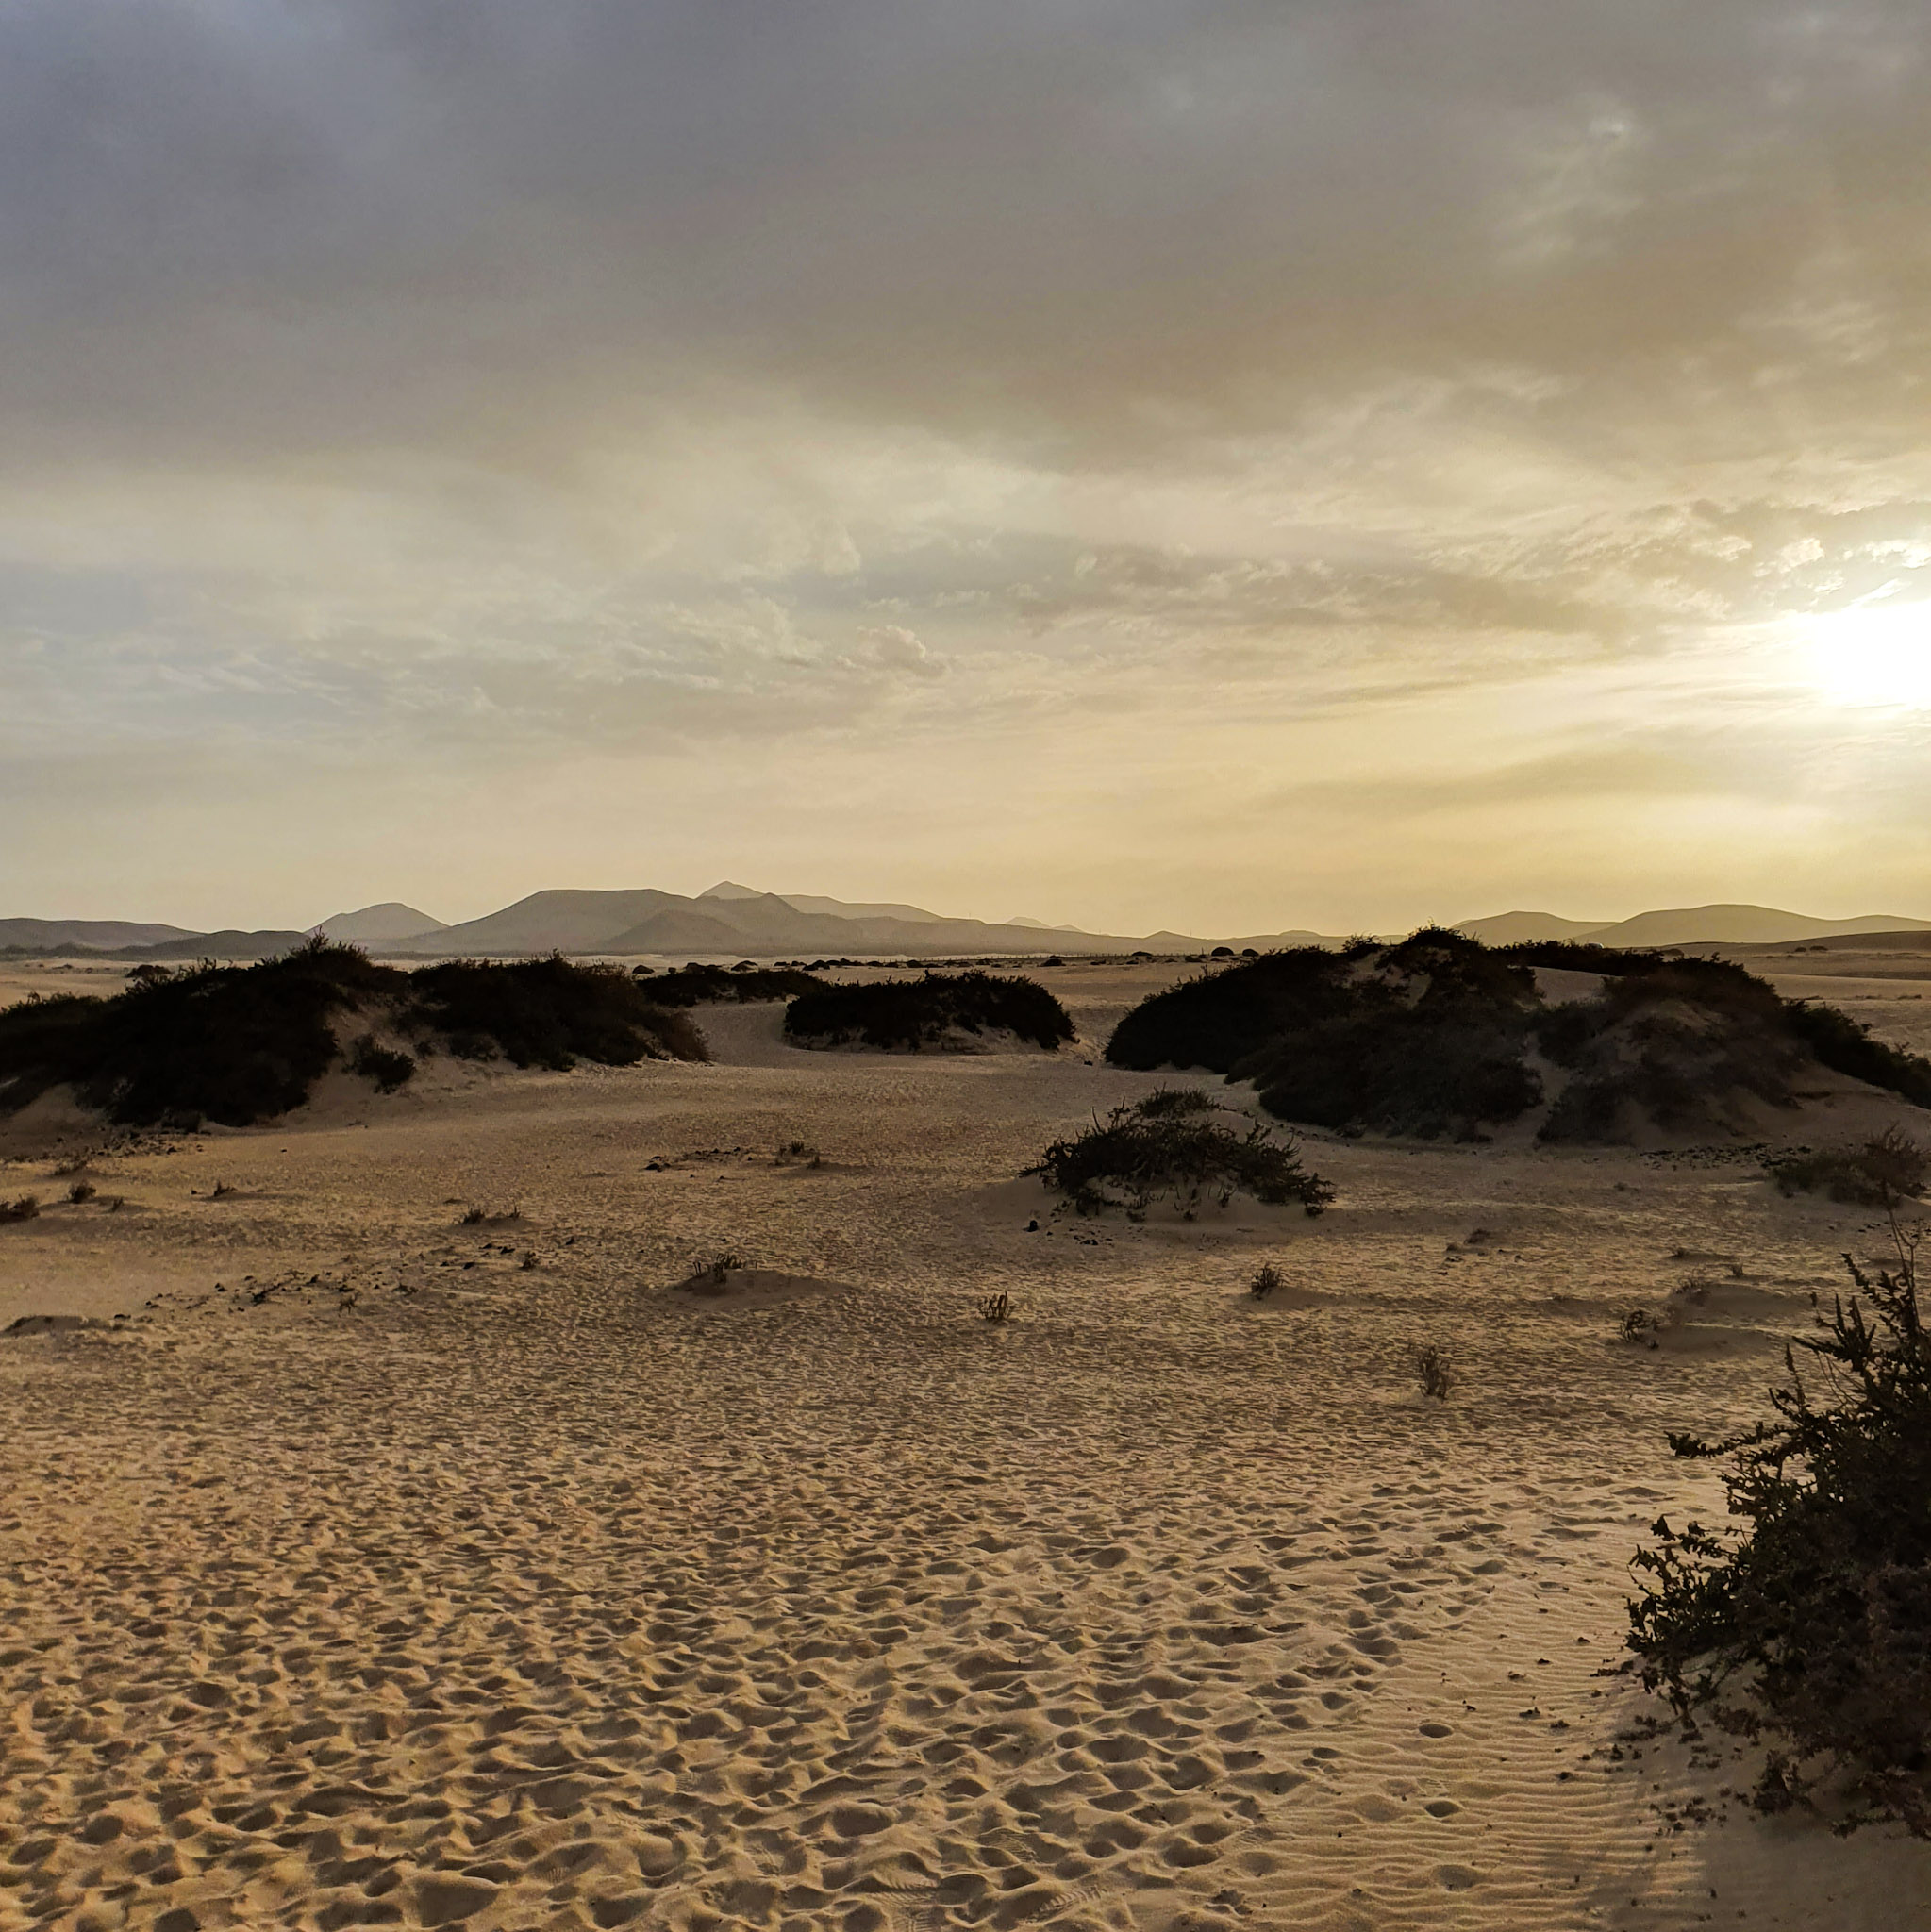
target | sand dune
x=373, y=1576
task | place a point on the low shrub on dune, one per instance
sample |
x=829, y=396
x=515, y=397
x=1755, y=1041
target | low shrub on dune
x=696, y=985
x=548, y=1013
x=1847, y=1046
x=1890, y=1168
x=226, y=1043
x=236, y=1044
x=1810, y=1625
x=1435, y=1036
x=1422, y=1038
x=938, y=1011
x=1135, y=1158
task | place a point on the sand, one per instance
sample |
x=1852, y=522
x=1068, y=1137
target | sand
x=394, y=1581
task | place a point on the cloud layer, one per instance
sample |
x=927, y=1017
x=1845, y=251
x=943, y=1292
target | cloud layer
x=1222, y=465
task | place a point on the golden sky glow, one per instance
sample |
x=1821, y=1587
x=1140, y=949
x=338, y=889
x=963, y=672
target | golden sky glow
x=1226, y=466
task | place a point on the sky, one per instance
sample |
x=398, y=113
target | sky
x=1227, y=467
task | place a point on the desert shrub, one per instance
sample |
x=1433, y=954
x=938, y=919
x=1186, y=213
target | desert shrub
x=1811, y=1623
x=1883, y=1172
x=1398, y=1069
x=232, y=1044
x=928, y=1012
x=1167, y=1102
x=697, y=984
x=1432, y=1371
x=1647, y=1326
x=26, y=1209
x=81, y=1193
x=1576, y=956
x=1220, y=1017
x=1679, y=1046
x=995, y=1307
x=1846, y=1046
x=1267, y=1279
x=549, y=1013
x=1427, y=1037
x=387, y=1068
x=1131, y=1160
x=242, y=1043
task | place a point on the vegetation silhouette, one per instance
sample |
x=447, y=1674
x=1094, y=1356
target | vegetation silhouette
x=1136, y=1157
x=1811, y=1626
x=929, y=1012
x=1438, y=1034
x=238, y=1045
x=1892, y=1167
x=699, y=985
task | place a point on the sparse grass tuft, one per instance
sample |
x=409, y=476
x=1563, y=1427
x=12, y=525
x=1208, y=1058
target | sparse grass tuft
x=1267, y=1278
x=995, y=1307
x=26, y=1209
x=1432, y=1370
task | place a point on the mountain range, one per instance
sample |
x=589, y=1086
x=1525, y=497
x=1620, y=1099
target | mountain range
x=731, y=920
x=1685, y=925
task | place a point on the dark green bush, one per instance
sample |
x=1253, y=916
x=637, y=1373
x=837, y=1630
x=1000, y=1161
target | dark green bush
x=1220, y=1017
x=232, y=1044
x=1397, y=1070
x=927, y=1012
x=1812, y=1625
x=549, y=1013
x=389, y=1069
x=1431, y=1037
x=1132, y=1158
x=1576, y=956
x=241, y=1043
x=1845, y=1045
x=1425, y=1036
x=695, y=985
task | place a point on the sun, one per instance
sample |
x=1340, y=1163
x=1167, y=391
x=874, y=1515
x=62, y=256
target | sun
x=1872, y=656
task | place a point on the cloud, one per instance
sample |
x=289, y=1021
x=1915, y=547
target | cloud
x=485, y=383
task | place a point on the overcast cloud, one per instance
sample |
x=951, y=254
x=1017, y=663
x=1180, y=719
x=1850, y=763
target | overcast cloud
x=1226, y=466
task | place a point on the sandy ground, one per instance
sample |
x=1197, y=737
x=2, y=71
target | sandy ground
x=395, y=1581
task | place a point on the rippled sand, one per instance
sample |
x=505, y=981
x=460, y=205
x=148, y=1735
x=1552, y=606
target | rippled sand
x=397, y=1582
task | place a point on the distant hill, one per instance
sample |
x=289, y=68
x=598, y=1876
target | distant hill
x=391, y=920
x=733, y=920
x=1519, y=929
x=1684, y=926
x=226, y=944
x=1742, y=925
x=730, y=917
x=828, y=908
x=102, y=933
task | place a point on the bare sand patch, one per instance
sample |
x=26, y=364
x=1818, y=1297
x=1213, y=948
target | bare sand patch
x=394, y=1581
